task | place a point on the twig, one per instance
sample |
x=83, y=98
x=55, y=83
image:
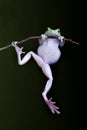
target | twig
x=22, y=41
x=33, y=37
x=70, y=40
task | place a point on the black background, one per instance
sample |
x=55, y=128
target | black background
x=21, y=103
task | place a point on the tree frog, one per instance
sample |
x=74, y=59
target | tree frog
x=48, y=53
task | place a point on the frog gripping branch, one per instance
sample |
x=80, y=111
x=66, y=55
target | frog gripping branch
x=48, y=53
x=37, y=37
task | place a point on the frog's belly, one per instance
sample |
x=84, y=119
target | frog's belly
x=49, y=54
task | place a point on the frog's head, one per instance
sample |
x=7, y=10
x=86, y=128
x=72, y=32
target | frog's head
x=51, y=32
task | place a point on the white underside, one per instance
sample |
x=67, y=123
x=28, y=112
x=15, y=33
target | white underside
x=49, y=51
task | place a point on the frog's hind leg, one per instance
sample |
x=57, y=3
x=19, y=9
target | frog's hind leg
x=47, y=71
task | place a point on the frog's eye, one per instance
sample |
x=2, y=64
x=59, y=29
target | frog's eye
x=58, y=30
x=49, y=29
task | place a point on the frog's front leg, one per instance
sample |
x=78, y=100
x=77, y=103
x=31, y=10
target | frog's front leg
x=45, y=69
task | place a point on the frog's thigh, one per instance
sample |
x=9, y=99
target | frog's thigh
x=38, y=59
x=45, y=67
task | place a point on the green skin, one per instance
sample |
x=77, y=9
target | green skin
x=51, y=32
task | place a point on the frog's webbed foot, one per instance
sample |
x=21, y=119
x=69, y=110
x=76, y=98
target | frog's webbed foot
x=52, y=106
x=43, y=36
x=61, y=38
x=18, y=49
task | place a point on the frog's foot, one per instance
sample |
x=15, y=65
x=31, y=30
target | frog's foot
x=43, y=36
x=61, y=39
x=14, y=43
x=18, y=49
x=52, y=106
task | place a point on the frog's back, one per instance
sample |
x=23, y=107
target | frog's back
x=49, y=51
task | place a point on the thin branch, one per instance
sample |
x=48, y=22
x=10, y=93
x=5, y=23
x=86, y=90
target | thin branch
x=4, y=48
x=70, y=40
x=22, y=41
x=34, y=37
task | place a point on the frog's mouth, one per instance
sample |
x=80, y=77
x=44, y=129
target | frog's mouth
x=52, y=35
x=55, y=37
